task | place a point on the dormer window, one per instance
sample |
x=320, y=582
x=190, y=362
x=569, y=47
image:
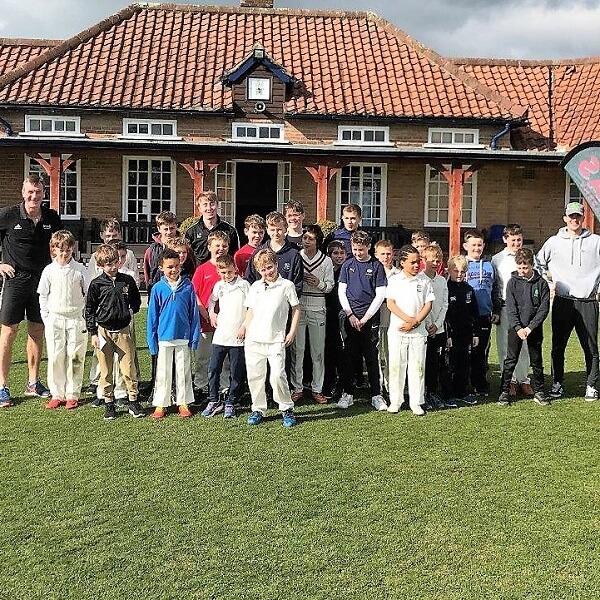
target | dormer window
x=149, y=128
x=257, y=132
x=51, y=125
x=463, y=138
x=363, y=136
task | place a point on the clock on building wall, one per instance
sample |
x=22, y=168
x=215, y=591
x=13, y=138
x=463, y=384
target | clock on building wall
x=259, y=88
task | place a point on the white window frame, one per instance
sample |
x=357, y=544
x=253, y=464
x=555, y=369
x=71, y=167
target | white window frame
x=473, y=183
x=258, y=140
x=570, y=184
x=383, y=204
x=357, y=132
x=39, y=170
x=225, y=186
x=149, y=135
x=454, y=133
x=124, y=200
x=53, y=119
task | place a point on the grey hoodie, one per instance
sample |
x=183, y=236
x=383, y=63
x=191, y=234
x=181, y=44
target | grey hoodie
x=573, y=262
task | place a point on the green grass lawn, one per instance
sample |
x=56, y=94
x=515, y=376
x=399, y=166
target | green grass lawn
x=479, y=502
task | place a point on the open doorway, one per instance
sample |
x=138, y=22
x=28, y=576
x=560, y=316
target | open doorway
x=255, y=191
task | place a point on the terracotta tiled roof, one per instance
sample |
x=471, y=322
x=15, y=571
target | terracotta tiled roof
x=14, y=52
x=563, y=96
x=171, y=57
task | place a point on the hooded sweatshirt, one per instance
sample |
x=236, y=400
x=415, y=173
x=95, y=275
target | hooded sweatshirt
x=482, y=277
x=527, y=301
x=574, y=263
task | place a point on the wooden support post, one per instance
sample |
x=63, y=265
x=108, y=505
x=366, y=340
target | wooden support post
x=456, y=178
x=322, y=175
x=54, y=167
x=589, y=221
x=197, y=169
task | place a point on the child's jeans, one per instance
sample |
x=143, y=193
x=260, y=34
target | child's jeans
x=237, y=366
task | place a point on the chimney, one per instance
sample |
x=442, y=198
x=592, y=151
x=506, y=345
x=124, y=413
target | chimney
x=256, y=3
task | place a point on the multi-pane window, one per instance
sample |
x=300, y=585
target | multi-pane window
x=51, y=125
x=453, y=137
x=149, y=187
x=70, y=186
x=365, y=185
x=284, y=184
x=253, y=132
x=572, y=193
x=225, y=190
x=363, y=135
x=149, y=128
x=437, y=200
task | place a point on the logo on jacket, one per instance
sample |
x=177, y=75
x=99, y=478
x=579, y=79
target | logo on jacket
x=287, y=266
x=47, y=226
x=17, y=226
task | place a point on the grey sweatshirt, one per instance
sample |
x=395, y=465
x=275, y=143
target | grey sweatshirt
x=573, y=262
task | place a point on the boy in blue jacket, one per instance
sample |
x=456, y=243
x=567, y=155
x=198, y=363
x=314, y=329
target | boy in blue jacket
x=481, y=276
x=173, y=328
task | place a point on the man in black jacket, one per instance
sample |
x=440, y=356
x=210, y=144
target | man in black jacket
x=527, y=306
x=25, y=232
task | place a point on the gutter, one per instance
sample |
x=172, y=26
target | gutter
x=495, y=138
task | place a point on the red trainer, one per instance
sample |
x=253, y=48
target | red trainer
x=54, y=403
x=159, y=413
x=527, y=389
x=319, y=398
x=72, y=403
x=184, y=411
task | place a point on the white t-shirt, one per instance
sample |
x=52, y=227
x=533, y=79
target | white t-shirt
x=232, y=298
x=271, y=304
x=409, y=294
x=505, y=264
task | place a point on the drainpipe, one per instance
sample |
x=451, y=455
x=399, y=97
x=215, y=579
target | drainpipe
x=7, y=127
x=495, y=138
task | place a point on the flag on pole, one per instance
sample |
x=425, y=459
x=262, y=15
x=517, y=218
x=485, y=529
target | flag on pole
x=583, y=166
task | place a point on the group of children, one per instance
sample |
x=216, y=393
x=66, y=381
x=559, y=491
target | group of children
x=243, y=314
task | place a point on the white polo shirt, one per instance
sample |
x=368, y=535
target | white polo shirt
x=409, y=294
x=271, y=304
x=232, y=311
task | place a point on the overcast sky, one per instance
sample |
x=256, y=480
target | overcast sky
x=485, y=28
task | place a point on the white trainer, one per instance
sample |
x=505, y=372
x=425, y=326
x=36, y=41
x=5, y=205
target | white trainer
x=418, y=411
x=346, y=401
x=393, y=408
x=378, y=403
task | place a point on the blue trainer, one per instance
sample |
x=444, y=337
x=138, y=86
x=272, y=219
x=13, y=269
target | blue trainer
x=289, y=418
x=212, y=408
x=255, y=418
x=229, y=411
x=5, y=399
x=37, y=389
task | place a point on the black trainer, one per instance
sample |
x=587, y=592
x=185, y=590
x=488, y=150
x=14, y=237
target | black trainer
x=97, y=403
x=504, y=399
x=135, y=410
x=110, y=413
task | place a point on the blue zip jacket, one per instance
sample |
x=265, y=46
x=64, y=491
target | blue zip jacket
x=172, y=314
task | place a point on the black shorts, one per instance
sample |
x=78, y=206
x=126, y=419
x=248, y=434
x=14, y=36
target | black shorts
x=20, y=298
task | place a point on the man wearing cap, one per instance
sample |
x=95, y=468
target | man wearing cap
x=572, y=257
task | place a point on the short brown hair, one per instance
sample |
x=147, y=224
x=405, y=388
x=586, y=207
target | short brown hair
x=419, y=234
x=217, y=235
x=512, y=229
x=333, y=244
x=361, y=238
x=254, y=221
x=178, y=242
x=34, y=180
x=264, y=257
x=111, y=223
x=165, y=217
x=106, y=254
x=168, y=254
x=524, y=256
x=225, y=261
x=353, y=208
x=62, y=240
x=473, y=233
x=274, y=217
x=294, y=205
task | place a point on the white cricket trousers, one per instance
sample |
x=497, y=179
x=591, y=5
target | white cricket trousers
x=522, y=368
x=407, y=356
x=257, y=355
x=181, y=357
x=66, y=345
x=312, y=321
